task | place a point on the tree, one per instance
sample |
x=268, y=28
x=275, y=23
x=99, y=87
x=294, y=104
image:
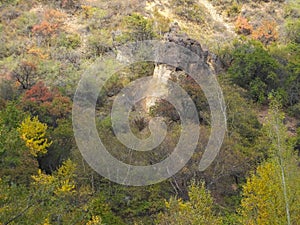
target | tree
x=13, y=202
x=242, y=26
x=53, y=199
x=198, y=210
x=39, y=93
x=45, y=29
x=289, y=57
x=33, y=133
x=254, y=69
x=49, y=195
x=57, y=197
x=48, y=104
x=25, y=74
x=60, y=183
x=49, y=26
x=62, y=144
x=96, y=220
x=271, y=195
x=266, y=33
x=262, y=203
x=69, y=3
x=17, y=164
x=293, y=30
x=297, y=141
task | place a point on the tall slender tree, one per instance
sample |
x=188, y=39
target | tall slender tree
x=271, y=195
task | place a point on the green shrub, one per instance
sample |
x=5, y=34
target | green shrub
x=70, y=41
x=100, y=42
x=233, y=10
x=289, y=58
x=94, y=16
x=138, y=28
x=7, y=91
x=293, y=31
x=9, y=13
x=24, y=23
x=161, y=23
x=9, y=2
x=257, y=90
x=189, y=9
x=295, y=111
x=69, y=4
x=254, y=69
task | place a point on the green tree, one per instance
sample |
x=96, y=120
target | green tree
x=17, y=165
x=289, y=57
x=189, y=9
x=254, y=69
x=62, y=144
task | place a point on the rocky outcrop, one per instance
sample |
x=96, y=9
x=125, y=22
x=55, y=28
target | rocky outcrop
x=176, y=36
x=162, y=72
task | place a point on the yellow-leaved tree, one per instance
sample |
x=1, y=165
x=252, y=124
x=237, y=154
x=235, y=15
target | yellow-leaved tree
x=95, y=220
x=271, y=195
x=61, y=182
x=263, y=201
x=198, y=210
x=33, y=133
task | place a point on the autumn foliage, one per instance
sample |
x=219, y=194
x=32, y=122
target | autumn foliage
x=54, y=16
x=37, y=52
x=243, y=26
x=42, y=101
x=39, y=93
x=51, y=23
x=33, y=133
x=266, y=32
x=61, y=183
x=45, y=28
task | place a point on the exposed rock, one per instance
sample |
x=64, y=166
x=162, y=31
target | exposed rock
x=174, y=27
x=215, y=62
x=163, y=72
x=184, y=40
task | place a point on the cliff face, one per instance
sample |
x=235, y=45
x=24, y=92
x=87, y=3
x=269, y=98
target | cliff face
x=176, y=36
x=163, y=73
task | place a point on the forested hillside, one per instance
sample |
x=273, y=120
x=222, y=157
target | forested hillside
x=251, y=47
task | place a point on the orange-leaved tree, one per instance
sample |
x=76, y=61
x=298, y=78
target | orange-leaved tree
x=266, y=32
x=50, y=25
x=242, y=26
x=49, y=105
